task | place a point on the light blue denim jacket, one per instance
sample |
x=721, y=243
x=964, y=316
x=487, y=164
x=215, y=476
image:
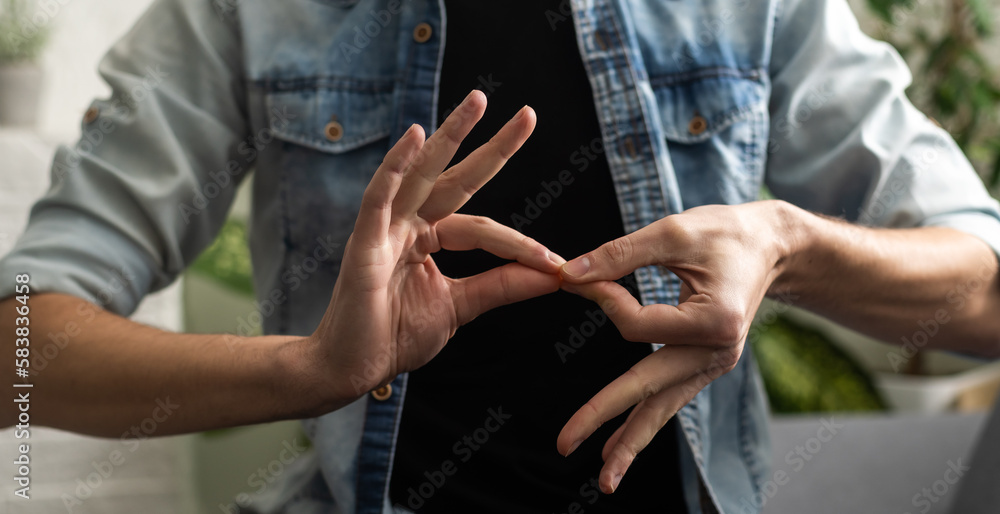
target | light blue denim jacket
x=699, y=102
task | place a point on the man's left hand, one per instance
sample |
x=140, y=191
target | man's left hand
x=727, y=258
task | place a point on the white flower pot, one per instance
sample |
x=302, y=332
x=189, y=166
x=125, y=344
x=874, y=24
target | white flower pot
x=20, y=85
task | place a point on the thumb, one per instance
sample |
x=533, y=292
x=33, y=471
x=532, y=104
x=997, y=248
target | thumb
x=612, y=260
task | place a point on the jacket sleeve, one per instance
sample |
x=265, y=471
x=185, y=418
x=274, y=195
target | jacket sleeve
x=845, y=140
x=151, y=179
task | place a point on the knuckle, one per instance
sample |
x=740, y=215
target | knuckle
x=726, y=359
x=677, y=232
x=506, y=286
x=524, y=241
x=644, y=386
x=594, y=413
x=498, y=146
x=482, y=221
x=649, y=389
x=629, y=449
x=730, y=326
x=619, y=251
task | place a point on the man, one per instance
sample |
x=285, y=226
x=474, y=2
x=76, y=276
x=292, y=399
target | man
x=687, y=107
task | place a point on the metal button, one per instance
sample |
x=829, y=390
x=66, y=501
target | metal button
x=383, y=393
x=91, y=115
x=422, y=32
x=333, y=131
x=697, y=125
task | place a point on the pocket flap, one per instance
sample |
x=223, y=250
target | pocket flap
x=361, y=112
x=695, y=106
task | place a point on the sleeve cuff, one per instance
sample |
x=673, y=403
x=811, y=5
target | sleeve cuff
x=66, y=252
x=983, y=225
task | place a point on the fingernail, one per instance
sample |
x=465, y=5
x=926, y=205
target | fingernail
x=559, y=261
x=520, y=114
x=577, y=267
x=573, y=447
x=614, y=482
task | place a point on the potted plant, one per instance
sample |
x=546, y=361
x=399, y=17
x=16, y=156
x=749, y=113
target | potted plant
x=21, y=42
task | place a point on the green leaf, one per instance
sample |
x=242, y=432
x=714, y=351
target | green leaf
x=982, y=17
x=227, y=260
x=982, y=98
x=936, y=52
x=883, y=8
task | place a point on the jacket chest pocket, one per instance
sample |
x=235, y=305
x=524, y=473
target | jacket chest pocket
x=332, y=136
x=715, y=122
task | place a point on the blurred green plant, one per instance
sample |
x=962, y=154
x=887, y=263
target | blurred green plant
x=227, y=260
x=804, y=372
x=956, y=84
x=21, y=38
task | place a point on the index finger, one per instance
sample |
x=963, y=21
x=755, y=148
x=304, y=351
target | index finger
x=457, y=184
x=649, y=245
x=426, y=167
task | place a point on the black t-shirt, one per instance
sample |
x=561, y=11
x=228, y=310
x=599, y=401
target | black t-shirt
x=480, y=421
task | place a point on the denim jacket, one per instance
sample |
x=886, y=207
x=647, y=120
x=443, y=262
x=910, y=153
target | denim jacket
x=699, y=102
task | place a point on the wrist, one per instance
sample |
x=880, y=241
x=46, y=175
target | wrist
x=794, y=230
x=314, y=389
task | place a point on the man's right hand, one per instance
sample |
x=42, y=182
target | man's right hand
x=392, y=310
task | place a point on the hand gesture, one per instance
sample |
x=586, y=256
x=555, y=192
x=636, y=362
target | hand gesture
x=727, y=258
x=392, y=310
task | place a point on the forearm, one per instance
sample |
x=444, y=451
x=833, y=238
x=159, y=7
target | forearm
x=111, y=373
x=883, y=282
